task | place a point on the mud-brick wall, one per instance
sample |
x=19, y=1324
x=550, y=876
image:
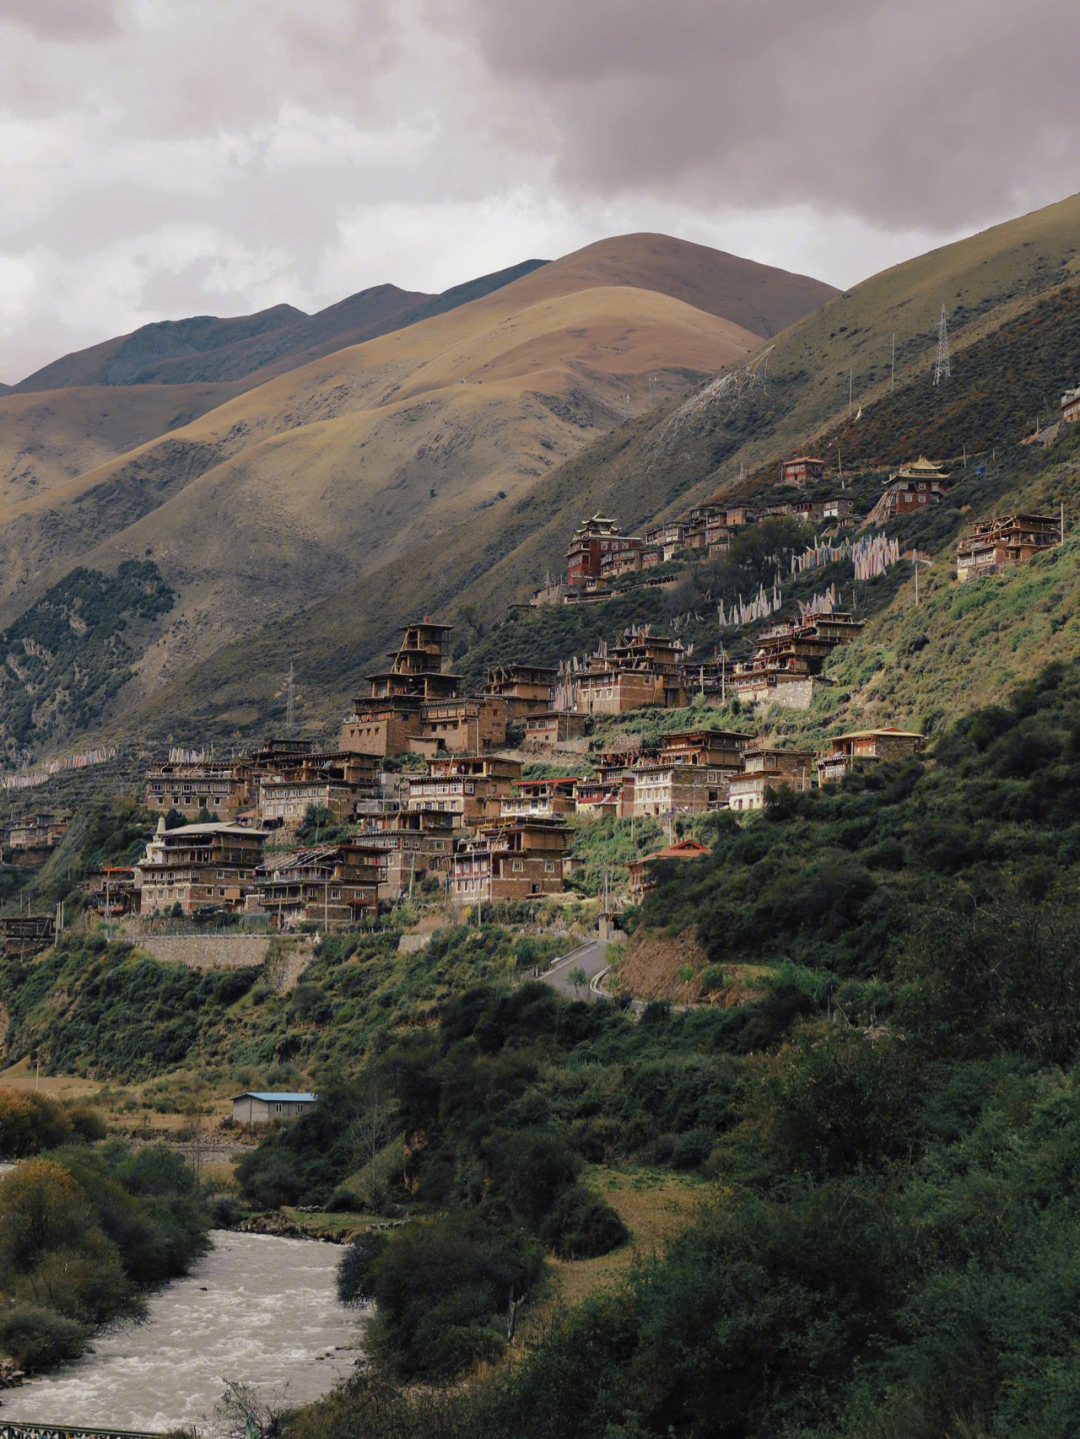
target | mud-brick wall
x=208, y=951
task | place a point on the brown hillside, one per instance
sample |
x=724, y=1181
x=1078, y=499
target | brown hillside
x=291, y=491
x=48, y=439
x=760, y=298
x=417, y=441
x=654, y=465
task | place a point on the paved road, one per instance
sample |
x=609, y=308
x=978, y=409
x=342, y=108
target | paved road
x=592, y=958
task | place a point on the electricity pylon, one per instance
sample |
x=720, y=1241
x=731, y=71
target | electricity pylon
x=941, y=369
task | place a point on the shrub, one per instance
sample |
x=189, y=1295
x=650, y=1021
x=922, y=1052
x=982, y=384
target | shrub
x=582, y=1225
x=356, y=1271
x=530, y=1170
x=37, y=1338
x=30, y=1123
x=442, y=1291
x=342, y=1201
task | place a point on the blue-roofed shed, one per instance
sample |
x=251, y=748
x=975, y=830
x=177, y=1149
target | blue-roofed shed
x=255, y=1108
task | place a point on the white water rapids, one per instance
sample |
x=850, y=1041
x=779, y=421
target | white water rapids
x=259, y=1310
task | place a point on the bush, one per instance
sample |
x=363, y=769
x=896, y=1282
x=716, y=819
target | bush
x=531, y=1169
x=356, y=1271
x=343, y=1201
x=30, y=1123
x=442, y=1290
x=37, y=1338
x=225, y=1211
x=582, y=1225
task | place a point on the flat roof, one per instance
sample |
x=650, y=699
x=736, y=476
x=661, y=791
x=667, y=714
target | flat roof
x=222, y=828
x=553, y=779
x=710, y=733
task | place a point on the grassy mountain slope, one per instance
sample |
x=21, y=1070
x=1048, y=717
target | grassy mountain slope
x=330, y=468
x=48, y=439
x=656, y=461
x=133, y=359
x=255, y=347
x=351, y=461
x=71, y=653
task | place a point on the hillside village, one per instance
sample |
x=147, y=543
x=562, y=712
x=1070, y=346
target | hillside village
x=675, y=930
x=474, y=796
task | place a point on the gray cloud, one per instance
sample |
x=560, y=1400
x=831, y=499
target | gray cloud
x=927, y=112
x=222, y=157
x=62, y=19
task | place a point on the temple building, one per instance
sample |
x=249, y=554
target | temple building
x=326, y=885
x=594, y=540
x=223, y=790
x=416, y=704
x=333, y=780
x=524, y=689
x=415, y=845
x=469, y=787
x=638, y=670
x=790, y=651
x=801, y=471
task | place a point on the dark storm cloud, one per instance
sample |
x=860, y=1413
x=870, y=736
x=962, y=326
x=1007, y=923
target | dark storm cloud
x=918, y=113
x=62, y=19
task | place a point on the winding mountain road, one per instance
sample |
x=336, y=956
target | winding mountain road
x=591, y=957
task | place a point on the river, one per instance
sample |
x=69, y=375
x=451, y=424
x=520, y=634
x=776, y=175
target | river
x=256, y=1309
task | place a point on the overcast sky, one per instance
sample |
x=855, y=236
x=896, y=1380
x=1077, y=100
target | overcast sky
x=161, y=158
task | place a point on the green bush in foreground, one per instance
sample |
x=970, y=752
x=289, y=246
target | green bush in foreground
x=82, y=1234
x=38, y=1338
x=442, y=1290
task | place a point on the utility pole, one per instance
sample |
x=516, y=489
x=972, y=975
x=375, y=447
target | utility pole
x=289, y=707
x=892, y=377
x=916, y=561
x=849, y=394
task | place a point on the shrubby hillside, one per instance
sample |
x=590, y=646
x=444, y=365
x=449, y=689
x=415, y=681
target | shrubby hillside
x=84, y=1232
x=891, y=1131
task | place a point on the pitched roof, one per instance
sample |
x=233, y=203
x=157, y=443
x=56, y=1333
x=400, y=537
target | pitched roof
x=684, y=849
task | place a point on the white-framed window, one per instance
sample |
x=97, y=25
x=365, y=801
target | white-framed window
x=549, y=866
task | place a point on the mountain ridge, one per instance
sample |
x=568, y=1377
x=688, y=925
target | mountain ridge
x=260, y=344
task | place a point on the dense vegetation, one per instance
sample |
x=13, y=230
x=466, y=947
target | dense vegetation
x=69, y=654
x=83, y=1233
x=892, y=1128
x=840, y=880
x=109, y=1010
x=92, y=1007
x=888, y=1134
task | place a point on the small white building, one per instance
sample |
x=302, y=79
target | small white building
x=254, y=1108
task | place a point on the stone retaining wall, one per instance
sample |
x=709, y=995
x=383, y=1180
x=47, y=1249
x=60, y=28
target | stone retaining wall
x=211, y=951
